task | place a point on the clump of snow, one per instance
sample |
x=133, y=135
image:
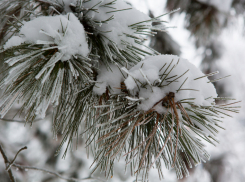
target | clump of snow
x=116, y=28
x=111, y=78
x=157, y=76
x=64, y=31
x=222, y=5
x=14, y=41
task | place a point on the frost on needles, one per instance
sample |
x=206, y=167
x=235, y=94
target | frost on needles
x=88, y=59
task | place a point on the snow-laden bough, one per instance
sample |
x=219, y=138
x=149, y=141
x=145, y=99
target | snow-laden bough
x=165, y=105
x=87, y=59
x=67, y=46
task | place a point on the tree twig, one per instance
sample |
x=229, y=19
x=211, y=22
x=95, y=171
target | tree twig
x=55, y=173
x=23, y=121
x=6, y=161
x=12, y=162
x=12, y=120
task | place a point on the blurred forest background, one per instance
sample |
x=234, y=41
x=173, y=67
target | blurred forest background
x=210, y=34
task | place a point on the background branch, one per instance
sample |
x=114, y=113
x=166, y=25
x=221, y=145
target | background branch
x=55, y=173
x=6, y=161
x=23, y=121
x=10, y=164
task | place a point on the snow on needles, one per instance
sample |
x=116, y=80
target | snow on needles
x=65, y=31
x=123, y=15
x=111, y=78
x=157, y=76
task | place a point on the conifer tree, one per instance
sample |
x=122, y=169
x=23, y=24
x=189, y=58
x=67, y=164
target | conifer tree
x=87, y=59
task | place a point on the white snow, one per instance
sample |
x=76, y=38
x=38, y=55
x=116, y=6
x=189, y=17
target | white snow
x=156, y=6
x=111, y=78
x=65, y=31
x=14, y=41
x=148, y=73
x=115, y=29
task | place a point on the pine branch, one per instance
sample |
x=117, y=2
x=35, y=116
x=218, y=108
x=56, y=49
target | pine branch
x=127, y=104
x=125, y=128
